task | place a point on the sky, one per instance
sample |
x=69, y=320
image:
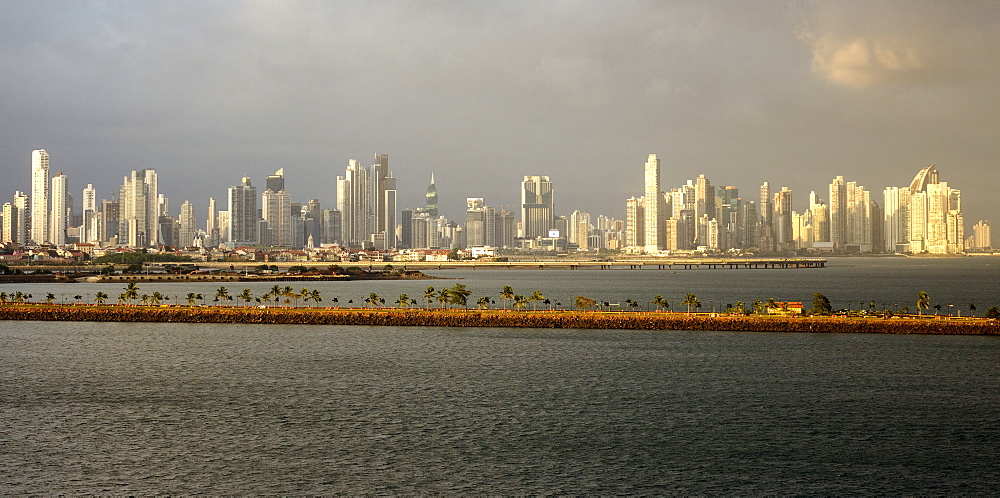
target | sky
x=483, y=93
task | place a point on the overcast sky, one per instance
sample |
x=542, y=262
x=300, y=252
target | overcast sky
x=483, y=93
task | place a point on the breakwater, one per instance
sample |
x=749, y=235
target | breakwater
x=498, y=318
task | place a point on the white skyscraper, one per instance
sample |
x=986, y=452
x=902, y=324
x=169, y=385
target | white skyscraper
x=653, y=224
x=242, y=215
x=22, y=203
x=60, y=209
x=537, y=206
x=188, y=225
x=276, y=210
x=89, y=226
x=39, y=196
x=139, y=210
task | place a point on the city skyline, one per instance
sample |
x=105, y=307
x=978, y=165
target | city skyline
x=781, y=92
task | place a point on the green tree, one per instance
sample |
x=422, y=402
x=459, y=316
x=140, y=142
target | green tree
x=77, y=298
x=315, y=296
x=374, y=300
x=937, y=309
x=459, y=295
x=156, y=298
x=740, y=308
x=972, y=309
x=403, y=300
x=191, y=296
x=246, y=296
x=993, y=312
x=660, y=302
x=758, y=306
x=535, y=297
x=131, y=291
x=507, y=293
x=520, y=302
x=821, y=305
x=483, y=302
x=443, y=296
x=428, y=295
x=584, y=303
x=100, y=297
x=771, y=304
x=691, y=301
x=923, y=302
x=3, y=298
x=145, y=299
x=49, y=297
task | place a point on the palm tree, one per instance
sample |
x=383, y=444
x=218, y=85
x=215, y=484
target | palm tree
x=304, y=293
x=122, y=297
x=520, y=302
x=222, y=293
x=373, y=300
x=131, y=291
x=771, y=304
x=145, y=299
x=459, y=295
x=156, y=297
x=49, y=297
x=739, y=309
x=3, y=298
x=661, y=303
x=403, y=300
x=315, y=296
x=758, y=306
x=100, y=297
x=443, y=296
x=692, y=301
x=937, y=309
x=191, y=296
x=506, y=293
x=246, y=296
x=428, y=295
x=535, y=297
x=972, y=309
x=923, y=302
x=78, y=298
x=275, y=292
x=483, y=302
x=200, y=297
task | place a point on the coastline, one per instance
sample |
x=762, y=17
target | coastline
x=395, y=317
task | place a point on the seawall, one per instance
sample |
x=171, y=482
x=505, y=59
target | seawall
x=497, y=318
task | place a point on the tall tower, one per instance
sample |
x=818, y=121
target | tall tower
x=783, y=216
x=355, y=204
x=537, y=206
x=838, y=212
x=39, y=196
x=188, y=225
x=276, y=209
x=653, y=224
x=138, y=211
x=432, y=198
x=379, y=174
x=276, y=181
x=60, y=209
x=242, y=229
x=704, y=205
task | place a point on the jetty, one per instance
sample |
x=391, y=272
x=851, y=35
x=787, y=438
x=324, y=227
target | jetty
x=404, y=317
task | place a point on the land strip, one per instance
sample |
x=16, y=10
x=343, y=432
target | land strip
x=394, y=317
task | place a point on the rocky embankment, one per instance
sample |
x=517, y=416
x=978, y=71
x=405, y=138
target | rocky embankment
x=496, y=318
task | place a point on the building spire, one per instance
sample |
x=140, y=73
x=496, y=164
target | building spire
x=432, y=178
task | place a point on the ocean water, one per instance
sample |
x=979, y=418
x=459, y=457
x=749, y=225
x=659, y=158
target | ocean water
x=106, y=408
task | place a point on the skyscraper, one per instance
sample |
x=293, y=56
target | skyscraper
x=276, y=181
x=242, y=214
x=138, y=211
x=277, y=211
x=537, y=206
x=355, y=205
x=704, y=205
x=39, y=196
x=60, y=209
x=432, y=199
x=783, y=218
x=838, y=212
x=653, y=226
x=188, y=225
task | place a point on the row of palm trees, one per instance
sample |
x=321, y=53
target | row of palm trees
x=457, y=295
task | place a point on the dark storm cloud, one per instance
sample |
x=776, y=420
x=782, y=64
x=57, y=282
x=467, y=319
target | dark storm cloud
x=482, y=94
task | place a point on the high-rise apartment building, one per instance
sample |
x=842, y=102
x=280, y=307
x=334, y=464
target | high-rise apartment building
x=653, y=223
x=59, y=218
x=981, y=237
x=783, y=218
x=432, y=199
x=354, y=201
x=188, y=225
x=39, y=196
x=704, y=205
x=139, y=210
x=10, y=220
x=242, y=215
x=838, y=212
x=537, y=206
x=276, y=209
x=635, y=218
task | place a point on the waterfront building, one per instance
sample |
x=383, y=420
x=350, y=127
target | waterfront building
x=89, y=220
x=10, y=219
x=276, y=209
x=331, y=226
x=635, y=234
x=704, y=205
x=782, y=221
x=537, y=206
x=838, y=212
x=241, y=218
x=980, y=240
x=188, y=227
x=61, y=207
x=39, y=197
x=653, y=208
x=211, y=224
x=766, y=211
x=354, y=203
x=138, y=213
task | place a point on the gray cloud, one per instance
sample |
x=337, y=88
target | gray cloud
x=483, y=94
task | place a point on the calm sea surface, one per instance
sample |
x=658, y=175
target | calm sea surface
x=106, y=408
